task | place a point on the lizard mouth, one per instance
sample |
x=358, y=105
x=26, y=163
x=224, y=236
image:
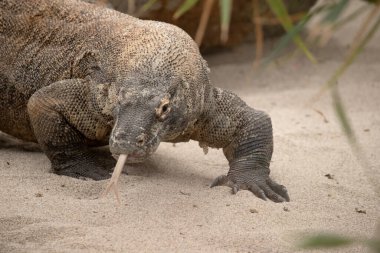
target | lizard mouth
x=136, y=158
x=133, y=157
x=118, y=147
x=136, y=153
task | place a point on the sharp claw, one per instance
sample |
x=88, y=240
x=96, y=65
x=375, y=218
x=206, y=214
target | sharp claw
x=279, y=189
x=263, y=188
x=221, y=180
x=282, y=192
x=285, y=195
x=262, y=196
x=278, y=199
x=257, y=191
x=272, y=195
x=235, y=189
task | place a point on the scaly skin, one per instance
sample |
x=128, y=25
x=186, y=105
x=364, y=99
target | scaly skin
x=74, y=75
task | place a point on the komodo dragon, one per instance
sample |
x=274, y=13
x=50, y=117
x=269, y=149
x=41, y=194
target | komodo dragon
x=75, y=75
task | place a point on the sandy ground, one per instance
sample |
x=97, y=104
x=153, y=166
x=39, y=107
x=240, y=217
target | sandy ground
x=167, y=205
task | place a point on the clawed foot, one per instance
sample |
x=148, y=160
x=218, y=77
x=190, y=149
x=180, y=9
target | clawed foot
x=262, y=186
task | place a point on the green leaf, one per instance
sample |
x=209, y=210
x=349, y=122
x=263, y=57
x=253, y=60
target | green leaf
x=147, y=6
x=342, y=116
x=373, y=244
x=185, y=6
x=225, y=18
x=351, y=57
x=279, y=9
x=285, y=40
x=349, y=18
x=325, y=241
x=339, y=108
x=336, y=11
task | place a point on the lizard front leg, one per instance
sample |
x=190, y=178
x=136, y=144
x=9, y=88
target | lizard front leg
x=246, y=137
x=65, y=125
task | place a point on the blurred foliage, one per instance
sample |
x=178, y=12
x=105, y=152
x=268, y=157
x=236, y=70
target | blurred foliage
x=328, y=241
x=213, y=24
x=185, y=6
x=325, y=241
x=323, y=31
x=279, y=9
x=225, y=17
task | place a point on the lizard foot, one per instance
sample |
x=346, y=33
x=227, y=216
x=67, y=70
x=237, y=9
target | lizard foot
x=262, y=186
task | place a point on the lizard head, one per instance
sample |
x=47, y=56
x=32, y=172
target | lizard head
x=148, y=111
x=161, y=95
x=134, y=132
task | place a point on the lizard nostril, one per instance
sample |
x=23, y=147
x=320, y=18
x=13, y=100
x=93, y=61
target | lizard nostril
x=141, y=139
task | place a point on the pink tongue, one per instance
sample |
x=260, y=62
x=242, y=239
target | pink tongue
x=115, y=177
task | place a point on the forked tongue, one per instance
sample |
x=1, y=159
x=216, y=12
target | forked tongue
x=112, y=184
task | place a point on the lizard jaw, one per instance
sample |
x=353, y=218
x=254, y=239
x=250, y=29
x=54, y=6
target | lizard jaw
x=132, y=157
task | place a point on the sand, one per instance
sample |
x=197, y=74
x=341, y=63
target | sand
x=167, y=205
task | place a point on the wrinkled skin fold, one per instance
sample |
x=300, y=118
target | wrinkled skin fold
x=74, y=76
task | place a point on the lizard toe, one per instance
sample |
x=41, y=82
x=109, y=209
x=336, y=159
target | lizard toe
x=269, y=193
x=235, y=188
x=219, y=181
x=257, y=191
x=279, y=189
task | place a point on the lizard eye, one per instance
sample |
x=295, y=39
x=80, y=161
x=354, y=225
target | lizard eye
x=163, y=109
